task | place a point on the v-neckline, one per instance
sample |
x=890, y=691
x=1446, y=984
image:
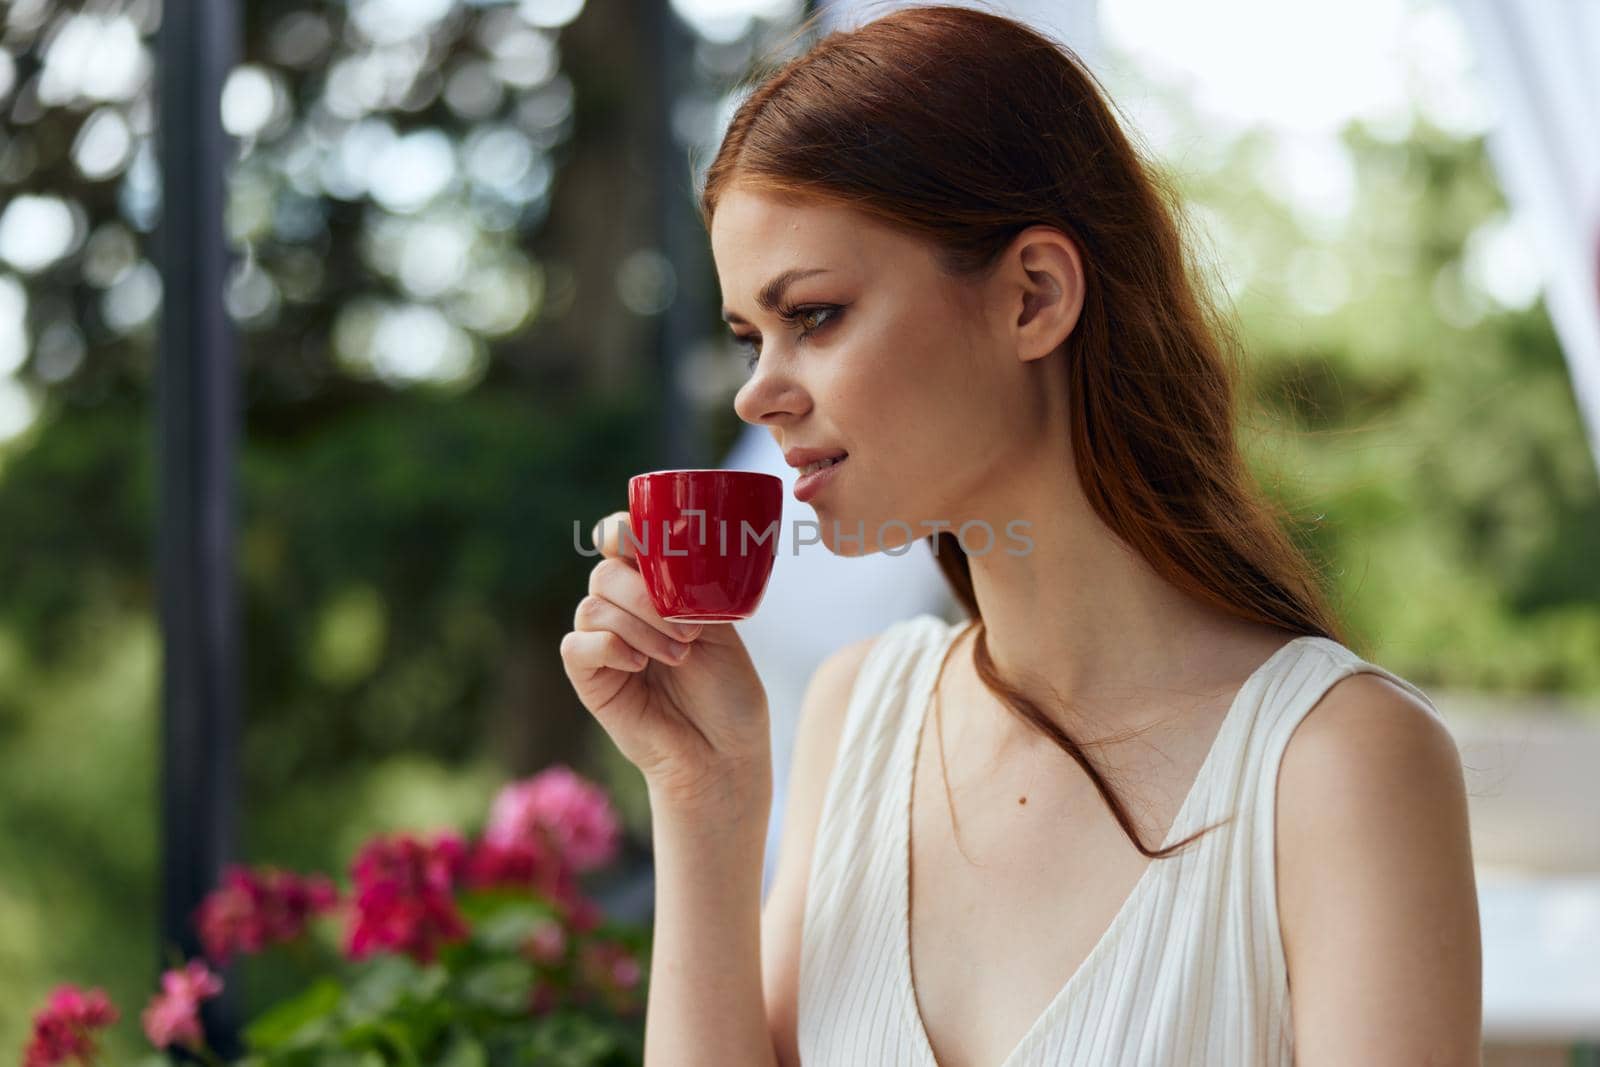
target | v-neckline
x=1130, y=903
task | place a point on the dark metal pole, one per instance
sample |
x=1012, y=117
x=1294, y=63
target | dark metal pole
x=197, y=426
x=681, y=237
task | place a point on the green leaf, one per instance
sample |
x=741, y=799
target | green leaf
x=464, y=1050
x=502, y=985
x=480, y=904
x=388, y=982
x=348, y=1058
x=507, y=927
x=378, y=1036
x=430, y=983
x=296, y=1021
x=571, y=1039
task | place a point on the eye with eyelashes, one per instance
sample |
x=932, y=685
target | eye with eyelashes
x=792, y=316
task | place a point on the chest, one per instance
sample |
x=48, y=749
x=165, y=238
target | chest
x=1008, y=900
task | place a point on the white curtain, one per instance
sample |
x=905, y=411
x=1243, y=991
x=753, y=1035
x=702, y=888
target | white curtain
x=1541, y=62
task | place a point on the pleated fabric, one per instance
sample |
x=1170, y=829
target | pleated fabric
x=1191, y=970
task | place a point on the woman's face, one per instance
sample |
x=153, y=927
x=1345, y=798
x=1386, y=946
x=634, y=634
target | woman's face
x=911, y=373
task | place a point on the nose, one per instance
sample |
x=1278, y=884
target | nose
x=770, y=396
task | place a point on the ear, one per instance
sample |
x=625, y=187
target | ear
x=1040, y=279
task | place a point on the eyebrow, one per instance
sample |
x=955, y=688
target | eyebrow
x=773, y=291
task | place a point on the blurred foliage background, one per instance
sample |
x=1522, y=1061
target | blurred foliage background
x=448, y=289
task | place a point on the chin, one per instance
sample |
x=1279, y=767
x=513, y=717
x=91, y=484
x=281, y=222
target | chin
x=848, y=548
x=838, y=546
x=895, y=537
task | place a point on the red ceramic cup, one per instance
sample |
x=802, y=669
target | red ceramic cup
x=706, y=540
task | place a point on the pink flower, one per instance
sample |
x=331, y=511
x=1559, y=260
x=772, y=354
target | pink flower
x=545, y=998
x=404, y=896
x=255, y=908
x=611, y=969
x=173, y=1015
x=63, y=1029
x=520, y=863
x=581, y=913
x=548, y=943
x=556, y=804
x=610, y=965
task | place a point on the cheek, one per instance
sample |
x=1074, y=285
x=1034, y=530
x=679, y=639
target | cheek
x=908, y=415
x=906, y=395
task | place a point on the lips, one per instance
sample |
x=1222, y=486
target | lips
x=816, y=475
x=806, y=459
x=813, y=467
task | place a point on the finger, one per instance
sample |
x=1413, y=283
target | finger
x=590, y=650
x=608, y=536
x=598, y=613
x=622, y=585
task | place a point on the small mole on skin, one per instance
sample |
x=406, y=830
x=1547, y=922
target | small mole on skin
x=1022, y=800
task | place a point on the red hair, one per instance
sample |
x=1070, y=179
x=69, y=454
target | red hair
x=963, y=128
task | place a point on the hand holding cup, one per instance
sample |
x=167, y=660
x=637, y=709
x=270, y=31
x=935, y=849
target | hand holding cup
x=682, y=701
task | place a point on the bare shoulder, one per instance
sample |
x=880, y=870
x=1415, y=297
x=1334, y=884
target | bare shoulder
x=822, y=712
x=816, y=746
x=1368, y=727
x=821, y=722
x=1376, y=892
x=836, y=675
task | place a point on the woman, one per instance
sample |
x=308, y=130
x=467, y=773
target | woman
x=1098, y=823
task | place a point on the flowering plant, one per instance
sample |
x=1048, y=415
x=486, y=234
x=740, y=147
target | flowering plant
x=459, y=951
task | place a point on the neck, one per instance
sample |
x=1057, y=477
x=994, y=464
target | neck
x=1083, y=622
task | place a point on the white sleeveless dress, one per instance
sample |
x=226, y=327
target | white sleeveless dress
x=1191, y=970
